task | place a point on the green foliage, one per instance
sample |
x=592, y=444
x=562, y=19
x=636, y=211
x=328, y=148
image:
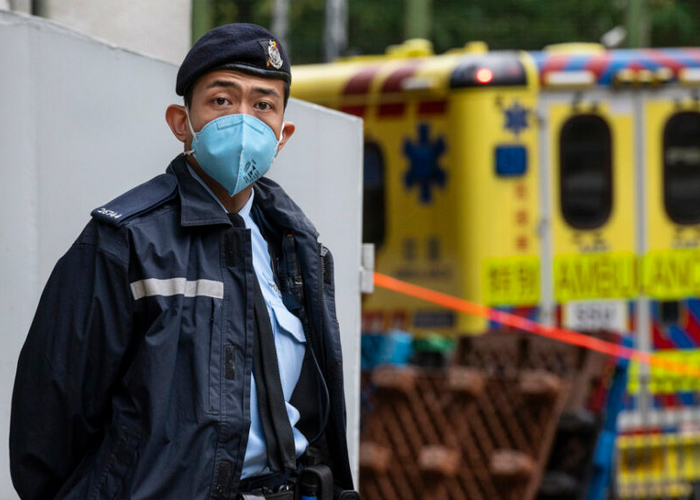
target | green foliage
x=675, y=23
x=522, y=24
x=503, y=24
x=373, y=26
x=306, y=30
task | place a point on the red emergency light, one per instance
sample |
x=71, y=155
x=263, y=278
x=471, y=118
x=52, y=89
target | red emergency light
x=484, y=75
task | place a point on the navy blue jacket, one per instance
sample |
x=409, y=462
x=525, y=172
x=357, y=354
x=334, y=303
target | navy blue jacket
x=134, y=380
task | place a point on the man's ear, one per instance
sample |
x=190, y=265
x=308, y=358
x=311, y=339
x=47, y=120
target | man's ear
x=177, y=120
x=288, y=131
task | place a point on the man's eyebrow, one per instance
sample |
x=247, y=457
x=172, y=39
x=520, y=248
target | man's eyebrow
x=231, y=84
x=266, y=91
x=222, y=83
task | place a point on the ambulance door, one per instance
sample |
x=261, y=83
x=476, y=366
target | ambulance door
x=670, y=270
x=589, y=270
x=668, y=310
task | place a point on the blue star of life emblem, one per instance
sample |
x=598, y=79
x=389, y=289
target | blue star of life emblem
x=516, y=118
x=424, y=170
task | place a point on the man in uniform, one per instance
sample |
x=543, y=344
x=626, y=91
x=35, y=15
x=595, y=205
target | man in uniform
x=186, y=346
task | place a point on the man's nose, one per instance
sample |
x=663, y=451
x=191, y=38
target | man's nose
x=245, y=108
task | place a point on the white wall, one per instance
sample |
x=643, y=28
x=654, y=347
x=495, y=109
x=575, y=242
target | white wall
x=82, y=122
x=17, y=5
x=159, y=28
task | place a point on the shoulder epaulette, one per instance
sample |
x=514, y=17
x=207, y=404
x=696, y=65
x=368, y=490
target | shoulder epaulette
x=138, y=200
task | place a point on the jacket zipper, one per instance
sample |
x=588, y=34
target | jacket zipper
x=322, y=305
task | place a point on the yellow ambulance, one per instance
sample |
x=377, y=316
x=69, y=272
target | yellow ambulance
x=561, y=185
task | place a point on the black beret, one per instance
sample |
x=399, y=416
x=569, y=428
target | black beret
x=243, y=47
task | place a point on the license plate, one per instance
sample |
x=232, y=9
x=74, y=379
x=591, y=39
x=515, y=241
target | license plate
x=592, y=315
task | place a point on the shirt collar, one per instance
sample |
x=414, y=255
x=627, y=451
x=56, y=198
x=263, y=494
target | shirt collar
x=245, y=211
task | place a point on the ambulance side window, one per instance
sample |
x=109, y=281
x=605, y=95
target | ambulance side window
x=585, y=171
x=682, y=167
x=373, y=203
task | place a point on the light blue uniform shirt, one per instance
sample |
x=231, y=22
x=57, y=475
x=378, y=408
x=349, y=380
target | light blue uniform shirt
x=289, y=341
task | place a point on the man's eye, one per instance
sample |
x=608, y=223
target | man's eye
x=264, y=106
x=221, y=101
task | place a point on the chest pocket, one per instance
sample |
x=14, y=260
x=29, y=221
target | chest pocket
x=221, y=358
x=180, y=324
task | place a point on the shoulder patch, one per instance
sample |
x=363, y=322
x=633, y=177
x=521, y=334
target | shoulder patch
x=138, y=200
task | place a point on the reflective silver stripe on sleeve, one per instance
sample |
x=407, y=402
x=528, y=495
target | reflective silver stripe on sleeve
x=177, y=286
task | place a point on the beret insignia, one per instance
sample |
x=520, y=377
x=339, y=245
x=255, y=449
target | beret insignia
x=274, y=58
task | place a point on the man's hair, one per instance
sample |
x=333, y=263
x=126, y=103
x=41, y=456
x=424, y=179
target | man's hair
x=188, y=94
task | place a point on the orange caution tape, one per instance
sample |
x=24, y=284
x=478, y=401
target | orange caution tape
x=560, y=334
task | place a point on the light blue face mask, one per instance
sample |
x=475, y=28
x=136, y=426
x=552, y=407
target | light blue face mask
x=235, y=150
